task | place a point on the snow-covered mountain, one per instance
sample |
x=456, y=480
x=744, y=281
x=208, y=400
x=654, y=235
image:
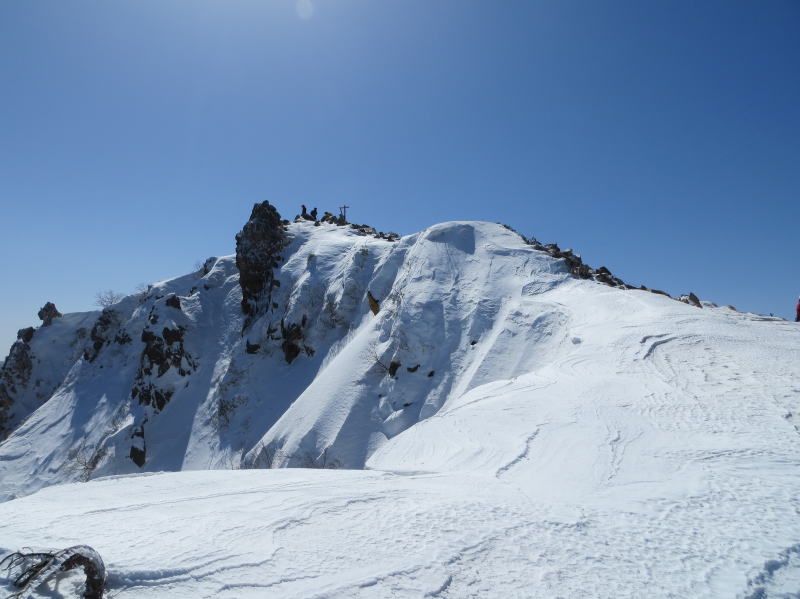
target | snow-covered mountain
x=510, y=426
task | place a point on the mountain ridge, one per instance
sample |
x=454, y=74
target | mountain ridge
x=219, y=368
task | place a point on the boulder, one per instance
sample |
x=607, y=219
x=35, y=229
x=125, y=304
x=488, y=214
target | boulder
x=48, y=313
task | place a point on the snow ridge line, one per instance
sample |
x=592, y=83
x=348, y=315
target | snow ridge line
x=523, y=455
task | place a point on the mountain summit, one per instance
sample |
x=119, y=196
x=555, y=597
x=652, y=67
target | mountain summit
x=503, y=421
x=315, y=345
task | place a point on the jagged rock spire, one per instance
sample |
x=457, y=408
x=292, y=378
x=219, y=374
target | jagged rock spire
x=48, y=313
x=258, y=247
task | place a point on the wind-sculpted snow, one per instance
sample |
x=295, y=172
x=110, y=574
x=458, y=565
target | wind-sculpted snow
x=511, y=431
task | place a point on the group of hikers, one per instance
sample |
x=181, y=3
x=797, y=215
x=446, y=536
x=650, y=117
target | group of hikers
x=328, y=217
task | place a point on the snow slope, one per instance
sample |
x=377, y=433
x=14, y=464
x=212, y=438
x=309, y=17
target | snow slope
x=573, y=439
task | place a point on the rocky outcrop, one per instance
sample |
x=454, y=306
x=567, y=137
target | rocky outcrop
x=691, y=299
x=26, y=334
x=105, y=330
x=138, y=452
x=258, y=248
x=173, y=301
x=48, y=313
x=373, y=303
x=601, y=275
x=163, y=351
x=293, y=335
x=14, y=376
x=373, y=232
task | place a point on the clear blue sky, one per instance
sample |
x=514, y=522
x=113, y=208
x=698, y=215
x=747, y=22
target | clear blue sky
x=661, y=139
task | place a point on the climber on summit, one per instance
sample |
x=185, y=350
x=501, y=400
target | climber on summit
x=797, y=315
x=313, y=213
x=304, y=213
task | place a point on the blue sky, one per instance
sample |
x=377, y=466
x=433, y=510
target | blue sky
x=661, y=139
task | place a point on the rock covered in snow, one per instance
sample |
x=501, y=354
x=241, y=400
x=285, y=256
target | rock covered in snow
x=316, y=344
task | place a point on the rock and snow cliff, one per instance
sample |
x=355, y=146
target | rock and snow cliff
x=517, y=428
x=525, y=430
x=312, y=346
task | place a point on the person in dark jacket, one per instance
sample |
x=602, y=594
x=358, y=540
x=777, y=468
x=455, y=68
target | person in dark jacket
x=797, y=316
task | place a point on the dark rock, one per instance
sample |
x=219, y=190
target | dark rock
x=431, y=373
x=659, y=292
x=138, y=452
x=173, y=301
x=581, y=270
x=172, y=335
x=48, y=313
x=103, y=331
x=150, y=395
x=252, y=348
x=161, y=353
x=15, y=375
x=290, y=351
x=258, y=245
x=208, y=265
x=393, y=366
x=26, y=334
x=373, y=303
x=292, y=335
x=413, y=368
x=694, y=300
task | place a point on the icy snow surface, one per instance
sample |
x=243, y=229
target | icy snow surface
x=574, y=440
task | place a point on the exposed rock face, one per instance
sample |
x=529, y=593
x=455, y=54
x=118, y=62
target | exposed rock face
x=105, y=329
x=14, y=375
x=208, y=265
x=164, y=353
x=26, y=334
x=258, y=247
x=691, y=299
x=292, y=340
x=138, y=452
x=173, y=301
x=163, y=350
x=48, y=313
x=601, y=275
x=373, y=303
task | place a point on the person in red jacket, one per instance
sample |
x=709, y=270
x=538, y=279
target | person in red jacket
x=797, y=318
